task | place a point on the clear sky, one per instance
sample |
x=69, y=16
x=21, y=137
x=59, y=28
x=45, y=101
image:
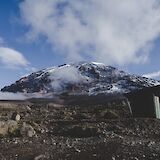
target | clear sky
x=36, y=34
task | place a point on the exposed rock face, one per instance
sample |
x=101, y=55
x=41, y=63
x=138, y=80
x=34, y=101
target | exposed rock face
x=80, y=78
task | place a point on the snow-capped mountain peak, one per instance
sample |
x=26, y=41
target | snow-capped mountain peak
x=80, y=78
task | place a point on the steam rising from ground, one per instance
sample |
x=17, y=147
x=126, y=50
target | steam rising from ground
x=110, y=31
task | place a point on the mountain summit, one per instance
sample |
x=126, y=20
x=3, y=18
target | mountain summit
x=80, y=78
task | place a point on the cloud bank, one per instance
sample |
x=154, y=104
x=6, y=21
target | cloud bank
x=66, y=74
x=12, y=58
x=12, y=96
x=154, y=75
x=23, y=96
x=110, y=31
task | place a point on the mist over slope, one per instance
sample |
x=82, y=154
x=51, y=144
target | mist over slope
x=89, y=78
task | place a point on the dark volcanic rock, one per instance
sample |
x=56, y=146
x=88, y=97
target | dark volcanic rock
x=61, y=135
x=80, y=78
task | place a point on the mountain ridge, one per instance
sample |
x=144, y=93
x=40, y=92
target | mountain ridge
x=89, y=78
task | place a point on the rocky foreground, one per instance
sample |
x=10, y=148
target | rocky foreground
x=41, y=130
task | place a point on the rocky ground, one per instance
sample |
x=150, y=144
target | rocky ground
x=41, y=130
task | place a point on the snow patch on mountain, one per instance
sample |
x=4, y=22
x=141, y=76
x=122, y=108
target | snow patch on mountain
x=80, y=78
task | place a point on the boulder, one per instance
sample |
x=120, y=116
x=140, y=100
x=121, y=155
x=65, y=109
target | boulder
x=9, y=127
x=27, y=130
x=16, y=117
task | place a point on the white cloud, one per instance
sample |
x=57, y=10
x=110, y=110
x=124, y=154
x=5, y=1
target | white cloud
x=66, y=74
x=154, y=75
x=22, y=96
x=12, y=96
x=110, y=31
x=12, y=58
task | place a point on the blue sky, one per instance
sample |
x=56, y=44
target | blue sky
x=12, y=31
x=43, y=33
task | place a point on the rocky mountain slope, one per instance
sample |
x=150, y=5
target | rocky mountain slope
x=80, y=78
